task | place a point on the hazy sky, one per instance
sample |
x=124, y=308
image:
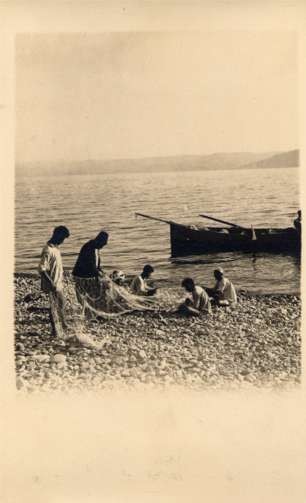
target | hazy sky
x=145, y=94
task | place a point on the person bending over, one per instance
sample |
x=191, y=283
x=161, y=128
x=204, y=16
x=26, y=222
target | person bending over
x=199, y=301
x=88, y=272
x=88, y=264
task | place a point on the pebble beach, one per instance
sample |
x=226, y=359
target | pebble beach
x=255, y=344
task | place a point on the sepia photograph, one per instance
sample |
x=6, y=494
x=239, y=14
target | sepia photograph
x=157, y=211
x=152, y=258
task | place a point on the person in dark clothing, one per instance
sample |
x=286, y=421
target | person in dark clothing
x=99, y=296
x=298, y=222
x=87, y=271
x=88, y=264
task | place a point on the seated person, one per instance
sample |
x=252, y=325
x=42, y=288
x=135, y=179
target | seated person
x=298, y=222
x=118, y=277
x=199, y=303
x=224, y=292
x=139, y=285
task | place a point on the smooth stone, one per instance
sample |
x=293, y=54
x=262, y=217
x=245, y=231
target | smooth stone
x=159, y=332
x=59, y=358
x=85, y=365
x=41, y=358
x=142, y=355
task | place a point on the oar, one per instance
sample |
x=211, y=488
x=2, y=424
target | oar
x=154, y=218
x=254, y=237
x=223, y=222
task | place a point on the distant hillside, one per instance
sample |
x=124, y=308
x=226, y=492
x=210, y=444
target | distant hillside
x=285, y=160
x=219, y=161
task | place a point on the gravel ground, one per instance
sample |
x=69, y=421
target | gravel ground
x=257, y=343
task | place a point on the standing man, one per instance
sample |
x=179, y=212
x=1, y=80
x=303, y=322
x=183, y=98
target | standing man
x=51, y=273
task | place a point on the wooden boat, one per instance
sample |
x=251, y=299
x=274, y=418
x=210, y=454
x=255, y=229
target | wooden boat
x=190, y=239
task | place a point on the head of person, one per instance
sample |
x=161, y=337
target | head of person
x=59, y=235
x=188, y=284
x=147, y=271
x=299, y=213
x=118, y=277
x=101, y=240
x=218, y=273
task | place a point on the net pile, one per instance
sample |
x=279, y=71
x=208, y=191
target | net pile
x=103, y=298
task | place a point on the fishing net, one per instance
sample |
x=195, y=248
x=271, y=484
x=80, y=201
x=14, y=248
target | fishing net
x=55, y=313
x=103, y=298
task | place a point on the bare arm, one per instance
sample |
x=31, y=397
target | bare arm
x=196, y=299
x=44, y=267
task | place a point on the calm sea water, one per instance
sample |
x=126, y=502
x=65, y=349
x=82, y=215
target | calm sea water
x=87, y=204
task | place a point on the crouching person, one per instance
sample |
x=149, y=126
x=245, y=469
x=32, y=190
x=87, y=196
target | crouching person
x=224, y=292
x=139, y=284
x=199, y=301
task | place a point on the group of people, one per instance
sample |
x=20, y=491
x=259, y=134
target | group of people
x=101, y=295
x=222, y=294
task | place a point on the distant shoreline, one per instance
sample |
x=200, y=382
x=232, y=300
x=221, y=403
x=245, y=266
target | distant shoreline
x=109, y=172
x=213, y=162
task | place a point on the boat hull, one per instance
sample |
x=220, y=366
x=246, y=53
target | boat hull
x=187, y=240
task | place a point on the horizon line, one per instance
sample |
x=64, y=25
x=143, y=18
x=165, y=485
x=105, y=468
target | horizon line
x=112, y=159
